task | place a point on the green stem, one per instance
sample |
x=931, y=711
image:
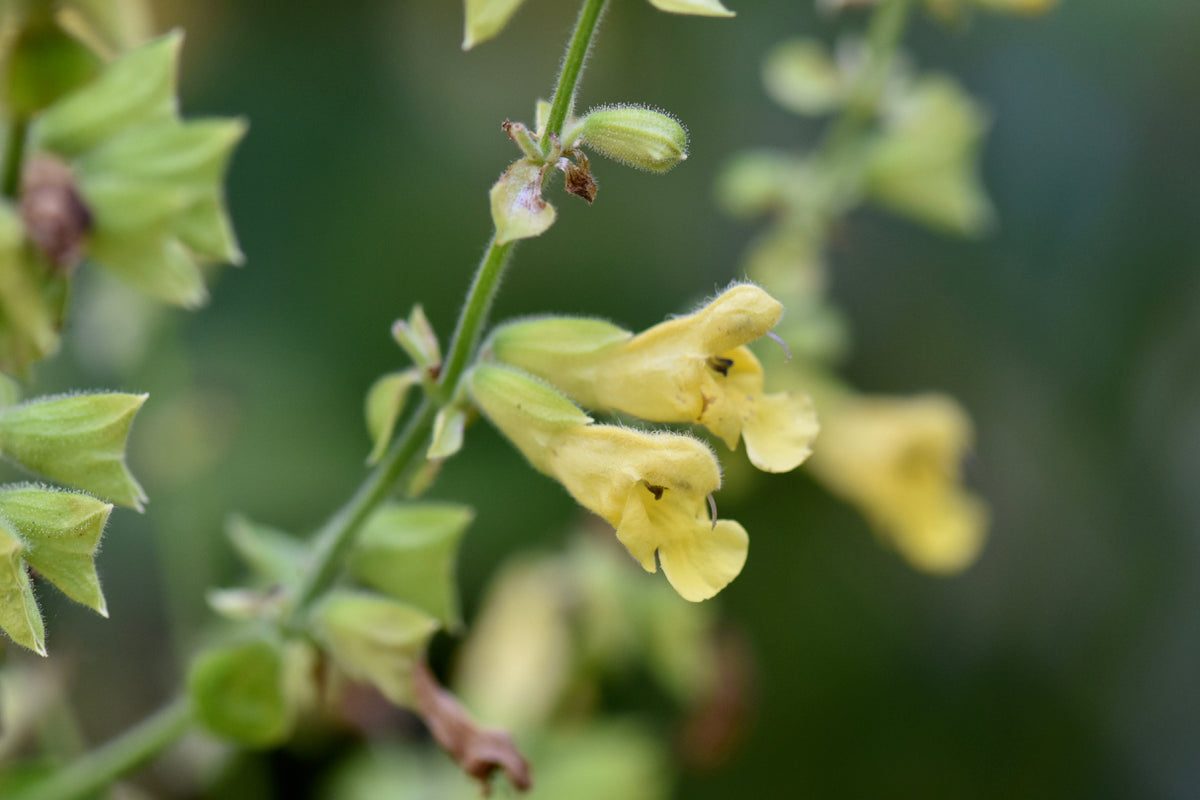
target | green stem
x=884, y=32
x=572, y=67
x=118, y=757
x=14, y=155
x=474, y=315
x=336, y=538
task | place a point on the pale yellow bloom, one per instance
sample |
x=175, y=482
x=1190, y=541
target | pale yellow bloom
x=898, y=459
x=694, y=369
x=651, y=487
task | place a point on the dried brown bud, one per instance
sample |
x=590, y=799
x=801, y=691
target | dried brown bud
x=479, y=751
x=578, y=173
x=54, y=214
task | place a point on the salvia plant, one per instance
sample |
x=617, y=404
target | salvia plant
x=103, y=170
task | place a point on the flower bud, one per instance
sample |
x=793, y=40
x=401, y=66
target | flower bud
x=79, y=441
x=640, y=137
x=239, y=693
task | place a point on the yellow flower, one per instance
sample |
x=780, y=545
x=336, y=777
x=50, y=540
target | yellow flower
x=688, y=369
x=898, y=459
x=651, y=487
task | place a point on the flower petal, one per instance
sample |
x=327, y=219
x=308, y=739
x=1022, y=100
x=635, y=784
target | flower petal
x=780, y=430
x=700, y=566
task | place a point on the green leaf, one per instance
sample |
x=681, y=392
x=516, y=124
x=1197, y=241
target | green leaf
x=374, y=639
x=384, y=404
x=407, y=551
x=518, y=210
x=60, y=533
x=153, y=262
x=272, y=553
x=486, y=18
x=136, y=88
x=79, y=441
x=239, y=693
x=19, y=614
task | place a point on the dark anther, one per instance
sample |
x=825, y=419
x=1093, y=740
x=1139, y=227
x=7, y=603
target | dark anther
x=721, y=364
x=657, y=491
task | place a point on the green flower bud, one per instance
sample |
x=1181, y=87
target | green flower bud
x=136, y=88
x=374, y=639
x=59, y=534
x=79, y=441
x=407, y=551
x=640, y=137
x=239, y=693
x=518, y=210
x=416, y=336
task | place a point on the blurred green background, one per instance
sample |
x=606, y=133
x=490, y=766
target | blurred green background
x=1065, y=663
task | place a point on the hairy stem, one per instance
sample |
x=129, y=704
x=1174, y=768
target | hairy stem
x=572, y=68
x=120, y=756
x=337, y=536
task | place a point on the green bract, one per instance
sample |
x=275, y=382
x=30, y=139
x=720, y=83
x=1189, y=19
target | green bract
x=56, y=533
x=518, y=210
x=151, y=182
x=407, y=551
x=78, y=441
x=374, y=639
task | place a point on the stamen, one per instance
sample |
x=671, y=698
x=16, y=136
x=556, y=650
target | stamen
x=657, y=491
x=782, y=344
x=712, y=506
x=721, y=364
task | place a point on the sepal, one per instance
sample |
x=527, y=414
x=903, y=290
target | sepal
x=408, y=550
x=76, y=440
x=374, y=639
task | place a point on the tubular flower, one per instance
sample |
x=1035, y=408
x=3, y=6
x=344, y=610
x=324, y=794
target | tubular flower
x=688, y=369
x=899, y=461
x=651, y=487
